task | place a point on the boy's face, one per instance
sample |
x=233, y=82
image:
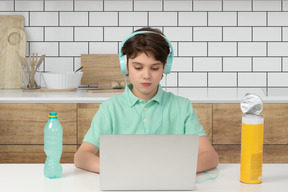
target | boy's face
x=145, y=73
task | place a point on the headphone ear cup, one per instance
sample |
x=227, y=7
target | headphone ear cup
x=122, y=59
x=168, y=65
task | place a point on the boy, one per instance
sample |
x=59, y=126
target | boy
x=144, y=108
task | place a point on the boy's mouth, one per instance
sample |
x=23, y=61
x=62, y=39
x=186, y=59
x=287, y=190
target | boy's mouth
x=145, y=84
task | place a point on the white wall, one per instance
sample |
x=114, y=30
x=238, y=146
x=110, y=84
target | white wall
x=217, y=43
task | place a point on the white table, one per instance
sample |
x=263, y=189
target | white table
x=30, y=177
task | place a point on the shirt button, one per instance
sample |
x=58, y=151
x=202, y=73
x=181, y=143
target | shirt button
x=145, y=109
x=144, y=120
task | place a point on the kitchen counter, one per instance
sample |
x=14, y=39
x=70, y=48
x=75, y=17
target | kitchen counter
x=196, y=95
x=30, y=177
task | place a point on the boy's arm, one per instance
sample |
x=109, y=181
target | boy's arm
x=207, y=156
x=86, y=158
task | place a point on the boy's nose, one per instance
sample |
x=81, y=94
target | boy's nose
x=146, y=74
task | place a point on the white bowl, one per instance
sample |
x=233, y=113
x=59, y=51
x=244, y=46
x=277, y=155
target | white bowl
x=67, y=80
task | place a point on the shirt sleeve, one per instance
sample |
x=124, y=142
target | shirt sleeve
x=100, y=125
x=192, y=124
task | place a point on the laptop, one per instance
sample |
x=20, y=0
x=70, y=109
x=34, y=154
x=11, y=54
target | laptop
x=148, y=162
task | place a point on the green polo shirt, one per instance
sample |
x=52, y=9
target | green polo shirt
x=165, y=113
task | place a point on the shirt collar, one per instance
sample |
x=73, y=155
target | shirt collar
x=132, y=99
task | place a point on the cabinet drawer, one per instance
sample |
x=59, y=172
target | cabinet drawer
x=86, y=113
x=24, y=123
x=227, y=122
x=204, y=114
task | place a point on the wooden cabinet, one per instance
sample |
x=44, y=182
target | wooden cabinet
x=85, y=115
x=204, y=114
x=227, y=122
x=22, y=131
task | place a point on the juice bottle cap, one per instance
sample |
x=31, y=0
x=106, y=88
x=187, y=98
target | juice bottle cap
x=53, y=114
x=251, y=104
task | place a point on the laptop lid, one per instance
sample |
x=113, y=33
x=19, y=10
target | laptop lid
x=148, y=162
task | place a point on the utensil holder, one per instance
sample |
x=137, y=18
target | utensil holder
x=30, y=81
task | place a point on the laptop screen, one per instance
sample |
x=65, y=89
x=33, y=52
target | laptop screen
x=148, y=162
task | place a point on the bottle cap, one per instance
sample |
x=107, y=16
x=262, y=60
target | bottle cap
x=53, y=114
x=251, y=104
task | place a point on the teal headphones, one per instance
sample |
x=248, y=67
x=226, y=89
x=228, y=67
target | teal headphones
x=123, y=60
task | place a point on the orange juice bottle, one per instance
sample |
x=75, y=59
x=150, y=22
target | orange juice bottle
x=251, y=148
x=251, y=139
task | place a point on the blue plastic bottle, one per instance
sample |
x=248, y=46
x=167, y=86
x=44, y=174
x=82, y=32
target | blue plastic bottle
x=53, y=147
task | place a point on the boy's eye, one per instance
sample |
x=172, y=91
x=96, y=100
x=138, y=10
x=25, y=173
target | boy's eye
x=137, y=68
x=155, y=69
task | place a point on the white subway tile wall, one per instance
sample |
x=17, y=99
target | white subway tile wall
x=207, y=34
x=73, y=48
x=59, y=5
x=183, y=64
x=235, y=5
x=193, y=79
x=178, y=34
x=222, y=49
x=47, y=48
x=192, y=19
x=252, y=79
x=266, y=33
x=58, y=34
x=133, y=18
x=29, y=5
x=265, y=5
x=217, y=43
x=148, y=5
x=88, y=34
x=88, y=5
x=171, y=80
x=73, y=18
x=42, y=19
x=103, y=48
x=237, y=34
x=252, y=19
x=273, y=19
x=56, y=64
x=266, y=64
x=222, y=18
x=115, y=5
x=285, y=64
x=222, y=79
x=163, y=19
x=239, y=64
x=192, y=49
x=34, y=33
x=178, y=5
x=214, y=5
x=103, y=19
x=207, y=64
x=6, y=5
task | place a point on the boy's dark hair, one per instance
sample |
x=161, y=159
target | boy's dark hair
x=148, y=43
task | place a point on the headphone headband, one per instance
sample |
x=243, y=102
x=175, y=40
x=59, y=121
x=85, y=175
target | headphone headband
x=122, y=57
